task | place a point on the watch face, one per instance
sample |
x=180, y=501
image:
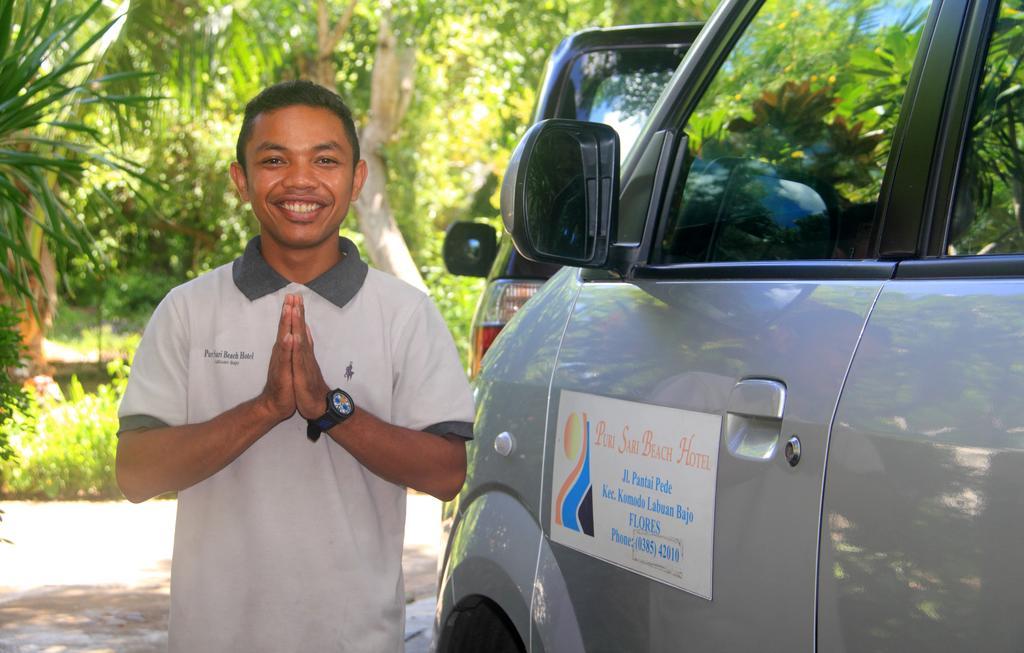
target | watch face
x=341, y=403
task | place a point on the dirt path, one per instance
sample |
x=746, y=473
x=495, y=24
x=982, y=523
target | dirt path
x=94, y=577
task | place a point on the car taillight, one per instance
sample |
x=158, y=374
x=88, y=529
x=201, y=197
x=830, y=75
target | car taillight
x=482, y=339
x=499, y=303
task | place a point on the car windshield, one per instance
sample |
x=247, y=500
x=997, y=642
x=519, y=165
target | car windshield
x=619, y=88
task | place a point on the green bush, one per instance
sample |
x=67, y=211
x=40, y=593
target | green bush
x=456, y=299
x=81, y=330
x=125, y=299
x=65, y=447
x=12, y=398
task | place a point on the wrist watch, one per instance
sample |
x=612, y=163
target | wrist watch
x=339, y=408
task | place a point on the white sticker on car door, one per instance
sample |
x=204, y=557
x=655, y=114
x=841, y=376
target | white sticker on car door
x=634, y=484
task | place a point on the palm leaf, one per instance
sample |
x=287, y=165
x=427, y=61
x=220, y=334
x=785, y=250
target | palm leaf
x=44, y=143
x=6, y=24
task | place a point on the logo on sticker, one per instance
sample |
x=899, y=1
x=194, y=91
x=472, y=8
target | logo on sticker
x=575, y=503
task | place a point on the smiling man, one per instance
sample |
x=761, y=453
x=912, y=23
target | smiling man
x=287, y=540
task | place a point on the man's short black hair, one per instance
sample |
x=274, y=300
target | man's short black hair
x=299, y=92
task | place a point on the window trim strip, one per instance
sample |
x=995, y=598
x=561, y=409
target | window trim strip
x=990, y=267
x=763, y=270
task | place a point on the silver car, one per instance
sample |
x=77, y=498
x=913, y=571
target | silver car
x=775, y=405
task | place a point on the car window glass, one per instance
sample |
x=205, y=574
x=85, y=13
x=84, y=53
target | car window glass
x=618, y=88
x=988, y=214
x=788, y=145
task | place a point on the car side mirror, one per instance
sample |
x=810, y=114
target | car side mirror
x=469, y=248
x=560, y=195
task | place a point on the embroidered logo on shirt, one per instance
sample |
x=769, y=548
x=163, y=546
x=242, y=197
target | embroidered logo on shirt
x=348, y=372
x=225, y=357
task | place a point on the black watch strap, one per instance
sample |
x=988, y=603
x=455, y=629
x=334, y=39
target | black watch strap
x=313, y=429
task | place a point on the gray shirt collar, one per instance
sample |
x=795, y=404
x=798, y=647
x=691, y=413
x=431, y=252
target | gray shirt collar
x=255, y=278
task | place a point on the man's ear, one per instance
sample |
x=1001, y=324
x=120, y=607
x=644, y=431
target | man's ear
x=241, y=183
x=358, y=179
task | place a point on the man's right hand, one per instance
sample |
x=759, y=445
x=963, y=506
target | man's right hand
x=278, y=396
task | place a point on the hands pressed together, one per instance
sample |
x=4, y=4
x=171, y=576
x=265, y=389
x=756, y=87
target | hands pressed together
x=294, y=379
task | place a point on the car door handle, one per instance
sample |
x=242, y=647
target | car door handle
x=753, y=419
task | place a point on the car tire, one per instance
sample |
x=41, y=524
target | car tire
x=478, y=624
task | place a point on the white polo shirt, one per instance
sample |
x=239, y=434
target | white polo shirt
x=294, y=546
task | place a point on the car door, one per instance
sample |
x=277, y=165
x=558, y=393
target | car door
x=925, y=491
x=691, y=400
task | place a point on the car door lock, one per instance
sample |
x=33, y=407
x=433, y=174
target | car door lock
x=793, y=451
x=504, y=443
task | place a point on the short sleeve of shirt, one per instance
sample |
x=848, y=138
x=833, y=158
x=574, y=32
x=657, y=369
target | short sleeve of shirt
x=157, y=387
x=431, y=392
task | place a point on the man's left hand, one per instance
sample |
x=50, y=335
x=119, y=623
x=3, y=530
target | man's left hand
x=310, y=388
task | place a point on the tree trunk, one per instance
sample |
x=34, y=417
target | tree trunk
x=36, y=312
x=34, y=325
x=390, y=93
